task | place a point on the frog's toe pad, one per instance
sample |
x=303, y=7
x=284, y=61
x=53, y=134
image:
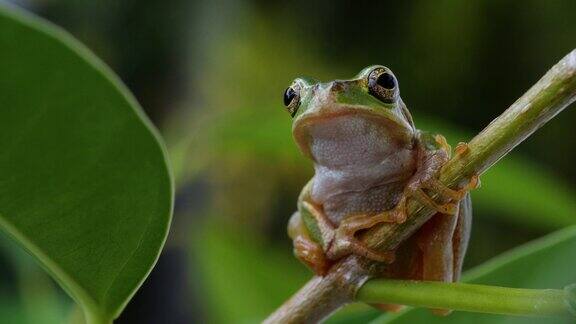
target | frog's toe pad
x=462, y=148
x=312, y=255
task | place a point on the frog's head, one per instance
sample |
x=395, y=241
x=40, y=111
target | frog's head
x=354, y=121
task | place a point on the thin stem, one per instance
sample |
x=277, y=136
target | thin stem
x=550, y=95
x=468, y=297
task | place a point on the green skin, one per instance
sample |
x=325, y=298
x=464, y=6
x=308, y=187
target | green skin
x=369, y=159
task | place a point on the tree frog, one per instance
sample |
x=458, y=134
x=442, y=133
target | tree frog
x=369, y=159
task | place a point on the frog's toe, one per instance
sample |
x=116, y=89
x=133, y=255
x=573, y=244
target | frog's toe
x=345, y=241
x=451, y=194
x=437, y=186
x=311, y=254
x=462, y=148
x=380, y=256
x=343, y=246
x=441, y=140
x=474, y=183
x=449, y=208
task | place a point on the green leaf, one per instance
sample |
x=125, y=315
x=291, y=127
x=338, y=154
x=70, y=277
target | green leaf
x=84, y=183
x=545, y=263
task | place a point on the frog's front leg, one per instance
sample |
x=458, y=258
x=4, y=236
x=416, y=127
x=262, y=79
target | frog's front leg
x=313, y=234
x=443, y=241
x=345, y=241
x=337, y=242
x=433, y=153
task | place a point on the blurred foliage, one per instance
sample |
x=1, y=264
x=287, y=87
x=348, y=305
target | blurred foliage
x=258, y=278
x=212, y=73
x=39, y=301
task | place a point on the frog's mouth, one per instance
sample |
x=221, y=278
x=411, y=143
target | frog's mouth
x=351, y=137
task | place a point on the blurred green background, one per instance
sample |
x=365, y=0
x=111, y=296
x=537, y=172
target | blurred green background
x=211, y=75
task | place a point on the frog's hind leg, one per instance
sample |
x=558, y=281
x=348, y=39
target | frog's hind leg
x=407, y=266
x=306, y=249
x=435, y=241
x=462, y=235
x=443, y=241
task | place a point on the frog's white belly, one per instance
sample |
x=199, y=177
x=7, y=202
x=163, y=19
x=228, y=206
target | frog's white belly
x=371, y=201
x=363, y=188
x=361, y=164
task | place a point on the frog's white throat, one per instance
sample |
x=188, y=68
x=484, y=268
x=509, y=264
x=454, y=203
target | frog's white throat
x=354, y=153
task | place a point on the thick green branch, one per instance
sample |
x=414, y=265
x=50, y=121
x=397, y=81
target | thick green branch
x=470, y=297
x=550, y=95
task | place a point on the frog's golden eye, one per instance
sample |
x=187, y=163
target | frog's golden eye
x=292, y=99
x=382, y=84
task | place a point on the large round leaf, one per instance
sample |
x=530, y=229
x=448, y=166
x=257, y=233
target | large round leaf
x=84, y=183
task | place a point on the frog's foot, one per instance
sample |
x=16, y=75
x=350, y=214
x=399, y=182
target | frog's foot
x=441, y=140
x=435, y=185
x=447, y=208
x=462, y=148
x=311, y=254
x=345, y=241
x=305, y=249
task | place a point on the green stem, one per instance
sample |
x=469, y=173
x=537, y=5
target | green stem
x=469, y=297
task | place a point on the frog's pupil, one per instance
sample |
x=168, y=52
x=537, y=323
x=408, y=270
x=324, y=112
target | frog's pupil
x=289, y=94
x=386, y=80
